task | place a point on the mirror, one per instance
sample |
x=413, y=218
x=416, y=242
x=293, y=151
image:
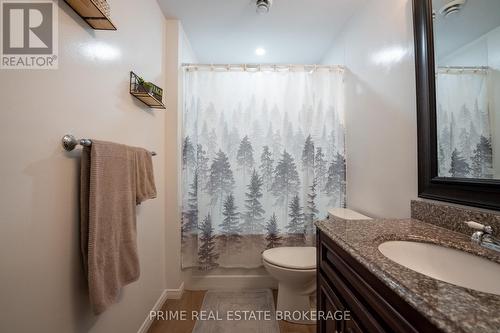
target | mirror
x=467, y=81
x=457, y=62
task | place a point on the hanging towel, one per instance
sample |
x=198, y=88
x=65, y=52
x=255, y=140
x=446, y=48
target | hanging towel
x=146, y=188
x=109, y=179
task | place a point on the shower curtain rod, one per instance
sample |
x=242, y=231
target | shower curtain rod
x=458, y=69
x=260, y=67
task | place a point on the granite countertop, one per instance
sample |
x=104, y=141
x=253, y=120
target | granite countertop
x=451, y=308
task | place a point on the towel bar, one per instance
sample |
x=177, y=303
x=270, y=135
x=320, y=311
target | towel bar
x=69, y=142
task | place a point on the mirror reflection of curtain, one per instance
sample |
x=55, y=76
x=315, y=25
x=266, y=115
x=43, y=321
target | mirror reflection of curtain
x=464, y=123
x=495, y=116
x=263, y=157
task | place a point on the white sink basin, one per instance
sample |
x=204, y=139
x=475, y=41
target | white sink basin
x=445, y=264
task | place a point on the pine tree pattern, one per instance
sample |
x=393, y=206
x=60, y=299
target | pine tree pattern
x=267, y=167
x=308, y=159
x=254, y=212
x=320, y=167
x=335, y=186
x=256, y=169
x=308, y=153
x=295, y=225
x=212, y=142
x=311, y=211
x=245, y=156
x=202, y=169
x=273, y=238
x=482, y=161
x=459, y=168
x=230, y=228
x=221, y=181
x=464, y=126
x=286, y=179
x=207, y=253
x=190, y=215
x=188, y=155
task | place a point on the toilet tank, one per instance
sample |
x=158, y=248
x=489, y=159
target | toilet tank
x=346, y=214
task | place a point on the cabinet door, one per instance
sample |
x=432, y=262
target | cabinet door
x=329, y=303
x=350, y=326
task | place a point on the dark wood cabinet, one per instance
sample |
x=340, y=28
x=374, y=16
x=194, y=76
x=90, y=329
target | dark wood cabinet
x=350, y=326
x=328, y=301
x=361, y=302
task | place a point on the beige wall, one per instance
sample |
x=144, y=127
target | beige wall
x=179, y=51
x=376, y=46
x=42, y=285
x=172, y=141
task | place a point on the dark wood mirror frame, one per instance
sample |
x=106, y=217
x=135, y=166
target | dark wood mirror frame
x=484, y=193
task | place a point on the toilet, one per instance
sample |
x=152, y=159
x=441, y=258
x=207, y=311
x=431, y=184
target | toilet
x=295, y=270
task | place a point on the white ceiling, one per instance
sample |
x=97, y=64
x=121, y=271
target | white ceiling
x=229, y=31
x=456, y=30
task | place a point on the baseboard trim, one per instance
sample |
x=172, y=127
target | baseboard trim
x=157, y=307
x=175, y=293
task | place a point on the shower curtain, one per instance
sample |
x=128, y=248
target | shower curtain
x=464, y=123
x=262, y=158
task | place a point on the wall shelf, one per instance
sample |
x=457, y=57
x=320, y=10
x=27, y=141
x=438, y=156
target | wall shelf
x=151, y=96
x=90, y=12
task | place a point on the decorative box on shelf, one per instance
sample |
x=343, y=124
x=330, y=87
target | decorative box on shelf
x=95, y=12
x=147, y=92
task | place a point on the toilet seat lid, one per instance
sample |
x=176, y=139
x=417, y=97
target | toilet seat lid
x=291, y=257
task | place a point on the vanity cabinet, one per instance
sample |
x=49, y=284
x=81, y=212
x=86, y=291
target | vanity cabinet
x=343, y=284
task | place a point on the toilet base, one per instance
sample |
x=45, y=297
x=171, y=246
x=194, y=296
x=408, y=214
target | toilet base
x=291, y=302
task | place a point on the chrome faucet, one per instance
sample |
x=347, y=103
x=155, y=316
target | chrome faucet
x=483, y=236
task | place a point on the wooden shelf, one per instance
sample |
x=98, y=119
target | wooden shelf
x=149, y=100
x=141, y=93
x=92, y=14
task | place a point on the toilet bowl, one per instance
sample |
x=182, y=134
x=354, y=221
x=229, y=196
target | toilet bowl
x=295, y=270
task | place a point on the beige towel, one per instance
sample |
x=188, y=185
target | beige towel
x=145, y=176
x=110, y=178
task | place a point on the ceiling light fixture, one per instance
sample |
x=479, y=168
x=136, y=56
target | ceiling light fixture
x=260, y=51
x=263, y=6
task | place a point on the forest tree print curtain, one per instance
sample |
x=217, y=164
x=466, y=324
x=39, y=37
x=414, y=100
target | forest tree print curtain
x=464, y=124
x=262, y=158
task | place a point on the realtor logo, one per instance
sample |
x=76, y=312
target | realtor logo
x=29, y=34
